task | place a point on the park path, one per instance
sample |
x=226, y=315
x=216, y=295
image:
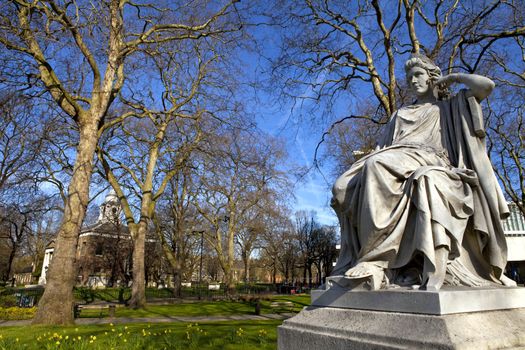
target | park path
x=163, y=319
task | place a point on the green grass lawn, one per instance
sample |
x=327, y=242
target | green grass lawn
x=231, y=335
x=205, y=308
x=238, y=335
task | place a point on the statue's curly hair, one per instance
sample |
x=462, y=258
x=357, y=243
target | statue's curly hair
x=433, y=71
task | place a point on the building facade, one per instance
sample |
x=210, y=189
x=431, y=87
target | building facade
x=104, y=249
x=514, y=227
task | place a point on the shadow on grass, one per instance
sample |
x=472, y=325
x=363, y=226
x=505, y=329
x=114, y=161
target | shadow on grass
x=207, y=308
x=234, y=335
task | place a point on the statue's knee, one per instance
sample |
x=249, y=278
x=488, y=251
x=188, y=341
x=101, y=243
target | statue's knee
x=371, y=163
x=378, y=161
x=339, y=190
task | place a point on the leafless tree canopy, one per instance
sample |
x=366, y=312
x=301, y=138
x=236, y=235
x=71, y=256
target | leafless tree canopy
x=347, y=58
x=150, y=99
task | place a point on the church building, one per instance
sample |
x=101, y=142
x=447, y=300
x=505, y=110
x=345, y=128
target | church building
x=104, y=249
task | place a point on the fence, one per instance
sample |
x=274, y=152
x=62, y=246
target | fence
x=28, y=297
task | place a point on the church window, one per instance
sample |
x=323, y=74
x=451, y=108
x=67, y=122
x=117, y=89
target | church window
x=99, y=249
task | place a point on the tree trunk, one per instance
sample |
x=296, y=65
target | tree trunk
x=246, y=261
x=177, y=280
x=319, y=280
x=247, y=270
x=138, y=287
x=56, y=305
x=230, y=283
x=10, y=261
x=228, y=277
x=175, y=264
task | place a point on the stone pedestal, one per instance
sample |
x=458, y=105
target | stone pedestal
x=453, y=318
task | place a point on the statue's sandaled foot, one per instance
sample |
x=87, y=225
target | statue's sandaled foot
x=507, y=282
x=371, y=273
x=362, y=270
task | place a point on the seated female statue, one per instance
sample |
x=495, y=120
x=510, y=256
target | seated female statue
x=424, y=208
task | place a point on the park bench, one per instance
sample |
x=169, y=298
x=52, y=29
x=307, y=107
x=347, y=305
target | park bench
x=77, y=309
x=287, y=305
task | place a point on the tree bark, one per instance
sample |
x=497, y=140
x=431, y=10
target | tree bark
x=174, y=262
x=177, y=280
x=56, y=305
x=246, y=262
x=305, y=269
x=138, y=287
x=230, y=284
x=247, y=270
x=10, y=261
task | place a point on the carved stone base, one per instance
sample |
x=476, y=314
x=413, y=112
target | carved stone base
x=447, y=300
x=451, y=318
x=342, y=329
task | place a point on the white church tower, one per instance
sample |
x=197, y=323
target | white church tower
x=110, y=209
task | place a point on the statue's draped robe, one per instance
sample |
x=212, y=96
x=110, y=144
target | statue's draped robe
x=428, y=184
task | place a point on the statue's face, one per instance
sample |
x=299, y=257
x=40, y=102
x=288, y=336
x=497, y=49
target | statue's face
x=419, y=80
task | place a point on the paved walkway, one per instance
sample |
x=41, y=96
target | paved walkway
x=164, y=319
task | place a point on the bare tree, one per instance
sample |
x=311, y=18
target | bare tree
x=16, y=224
x=18, y=141
x=238, y=170
x=306, y=228
x=247, y=240
x=342, y=58
x=138, y=160
x=21, y=223
x=178, y=228
x=148, y=147
x=279, y=247
x=506, y=125
x=325, y=252
x=83, y=73
x=19, y=144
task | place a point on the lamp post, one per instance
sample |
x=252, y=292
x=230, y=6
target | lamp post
x=200, y=264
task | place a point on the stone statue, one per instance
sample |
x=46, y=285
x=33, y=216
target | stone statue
x=424, y=208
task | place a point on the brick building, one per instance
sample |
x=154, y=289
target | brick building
x=104, y=249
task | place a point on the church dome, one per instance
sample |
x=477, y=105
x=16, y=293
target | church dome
x=110, y=209
x=111, y=197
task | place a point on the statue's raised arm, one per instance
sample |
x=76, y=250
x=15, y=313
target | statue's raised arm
x=425, y=207
x=479, y=86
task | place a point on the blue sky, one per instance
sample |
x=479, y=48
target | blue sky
x=312, y=192
x=286, y=120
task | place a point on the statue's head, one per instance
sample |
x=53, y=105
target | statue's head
x=422, y=61
x=421, y=74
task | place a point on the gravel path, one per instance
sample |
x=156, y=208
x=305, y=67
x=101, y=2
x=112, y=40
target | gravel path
x=123, y=320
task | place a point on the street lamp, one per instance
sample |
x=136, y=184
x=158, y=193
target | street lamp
x=200, y=263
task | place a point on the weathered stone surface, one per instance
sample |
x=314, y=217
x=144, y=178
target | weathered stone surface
x=338, y=329
x=424, y=207
x=448, y=300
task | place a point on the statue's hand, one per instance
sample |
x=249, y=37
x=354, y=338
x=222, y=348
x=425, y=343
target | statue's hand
x=478, y=86
x=447, y=80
